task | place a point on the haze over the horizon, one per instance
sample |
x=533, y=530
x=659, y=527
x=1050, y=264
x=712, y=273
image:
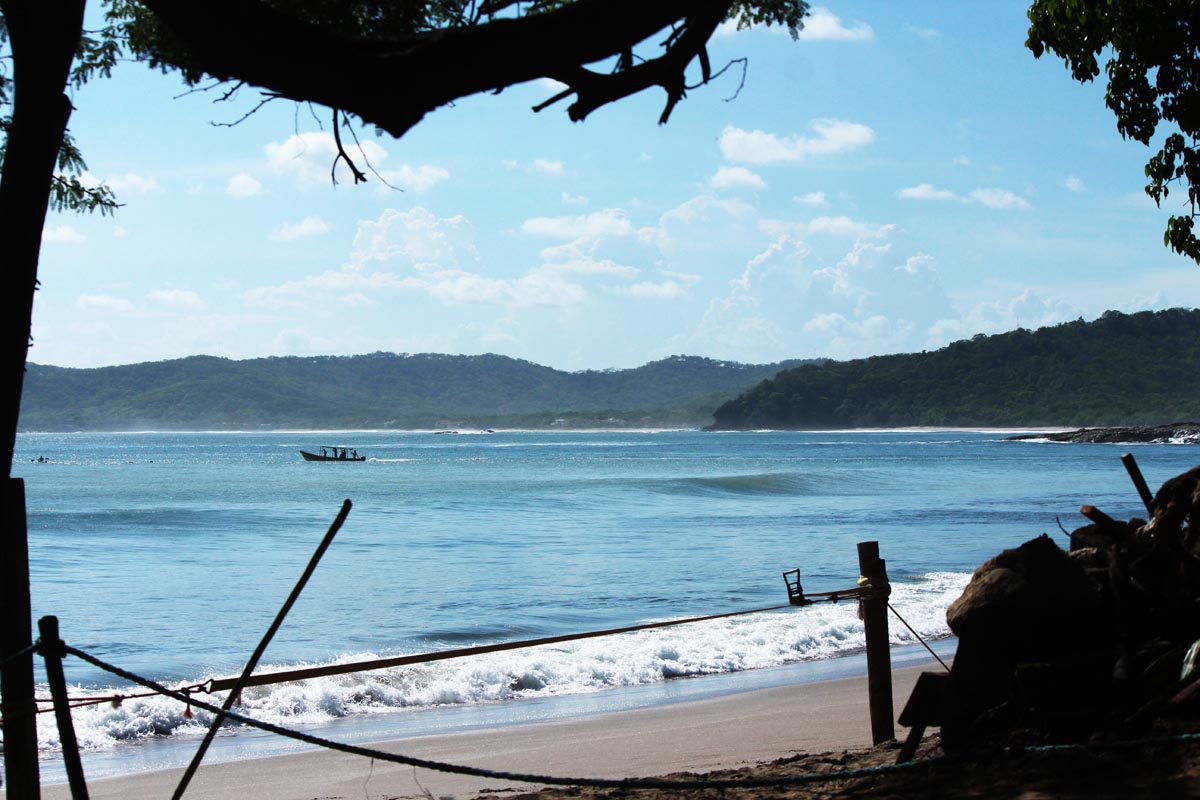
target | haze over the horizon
x=904, y=176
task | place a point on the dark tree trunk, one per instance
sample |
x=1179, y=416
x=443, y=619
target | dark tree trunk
x=44, y=35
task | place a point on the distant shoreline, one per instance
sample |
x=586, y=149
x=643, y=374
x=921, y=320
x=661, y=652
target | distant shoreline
x=1173, y=433
x=1019, y=432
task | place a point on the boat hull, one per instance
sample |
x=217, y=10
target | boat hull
x=318, y=457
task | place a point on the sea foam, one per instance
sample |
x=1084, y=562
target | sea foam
x=756, y=641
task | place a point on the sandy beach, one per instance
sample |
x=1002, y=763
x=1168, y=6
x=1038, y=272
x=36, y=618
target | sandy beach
x=722, y=732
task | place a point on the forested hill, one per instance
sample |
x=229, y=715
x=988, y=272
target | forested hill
x=381, y=390
x=1121, y=369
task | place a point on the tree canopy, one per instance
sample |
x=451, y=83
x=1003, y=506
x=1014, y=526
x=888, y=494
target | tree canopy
x=1153, y=70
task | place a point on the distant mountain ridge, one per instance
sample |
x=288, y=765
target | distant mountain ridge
x=379, y=390
x=1121, y=369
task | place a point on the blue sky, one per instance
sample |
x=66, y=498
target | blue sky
x=903, y=176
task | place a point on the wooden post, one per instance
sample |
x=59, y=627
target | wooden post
x=16, y=674
x=879, y=656
x=52, y=652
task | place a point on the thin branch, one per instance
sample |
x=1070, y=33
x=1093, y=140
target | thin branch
x=745, y=62
x=232, y=91
x=367, y=160
x=342, y=155
x=688, y=41
x=564, y=94
x=267, y=98
x=199, y=89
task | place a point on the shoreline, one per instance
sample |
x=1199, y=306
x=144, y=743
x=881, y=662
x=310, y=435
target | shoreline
x=723, y=731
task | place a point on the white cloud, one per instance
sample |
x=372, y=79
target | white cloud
x=961, y=161
x=999, y=198
x=132, y=182
x=289, y=231
x=546, y=167
x=120, y=232
x=823, y=24
x=736, y=178
x=416, y=238
x=416, y=179
x=62, y=234
x=414, y=251
x=916, y=263
x=309, y=157
x=992, y=198
x=926, y=191
x=758, y=147
x=103, y=303
x=574, y=199
x=701, y=222
x=928, y=34
x=813, y=199
x=243, y=185
x=647, y=290
x=178, y=299
x=839, y=226
x=1074, y=184
x=1029, y=308
x=609, y=222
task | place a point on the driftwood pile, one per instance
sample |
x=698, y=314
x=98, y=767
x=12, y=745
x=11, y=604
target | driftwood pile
x=1098, y=641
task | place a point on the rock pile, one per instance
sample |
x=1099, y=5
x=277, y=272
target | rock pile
x=1097, y=640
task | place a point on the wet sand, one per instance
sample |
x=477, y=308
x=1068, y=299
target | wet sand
x=698, y=736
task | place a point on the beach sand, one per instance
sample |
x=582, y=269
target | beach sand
x=725, y=732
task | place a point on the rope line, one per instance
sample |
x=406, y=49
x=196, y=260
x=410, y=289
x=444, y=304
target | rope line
x=919, y=637
x=520, y=777
x=24, y=651
x=119, y=697
x=618, y=783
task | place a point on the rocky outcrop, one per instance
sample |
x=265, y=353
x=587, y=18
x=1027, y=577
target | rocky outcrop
x=1175, y=433
x=1091, y=641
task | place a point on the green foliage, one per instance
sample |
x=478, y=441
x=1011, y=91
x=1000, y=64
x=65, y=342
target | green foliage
x=1152, y=68
x=789, y=13
x=1120, y=369
x=98, y=54
x=381, y=390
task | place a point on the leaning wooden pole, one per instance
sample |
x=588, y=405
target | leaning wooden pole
x=875, y=624
x=52, y=652
x=235, y=692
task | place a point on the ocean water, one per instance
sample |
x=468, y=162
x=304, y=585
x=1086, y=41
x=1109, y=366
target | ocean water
x=169, y=554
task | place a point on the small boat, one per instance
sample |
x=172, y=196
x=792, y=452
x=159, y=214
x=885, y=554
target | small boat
x=333, y=454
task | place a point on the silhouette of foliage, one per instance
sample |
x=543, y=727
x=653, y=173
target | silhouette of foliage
x=390, y=63
x=1153, y=51
x=97, y=55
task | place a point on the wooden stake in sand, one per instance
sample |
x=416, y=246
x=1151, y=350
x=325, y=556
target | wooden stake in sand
x=875, y=625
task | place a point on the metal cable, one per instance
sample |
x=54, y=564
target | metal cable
x=919, y=637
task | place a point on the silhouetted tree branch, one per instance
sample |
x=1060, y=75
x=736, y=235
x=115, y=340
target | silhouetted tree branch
x=393, y=82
